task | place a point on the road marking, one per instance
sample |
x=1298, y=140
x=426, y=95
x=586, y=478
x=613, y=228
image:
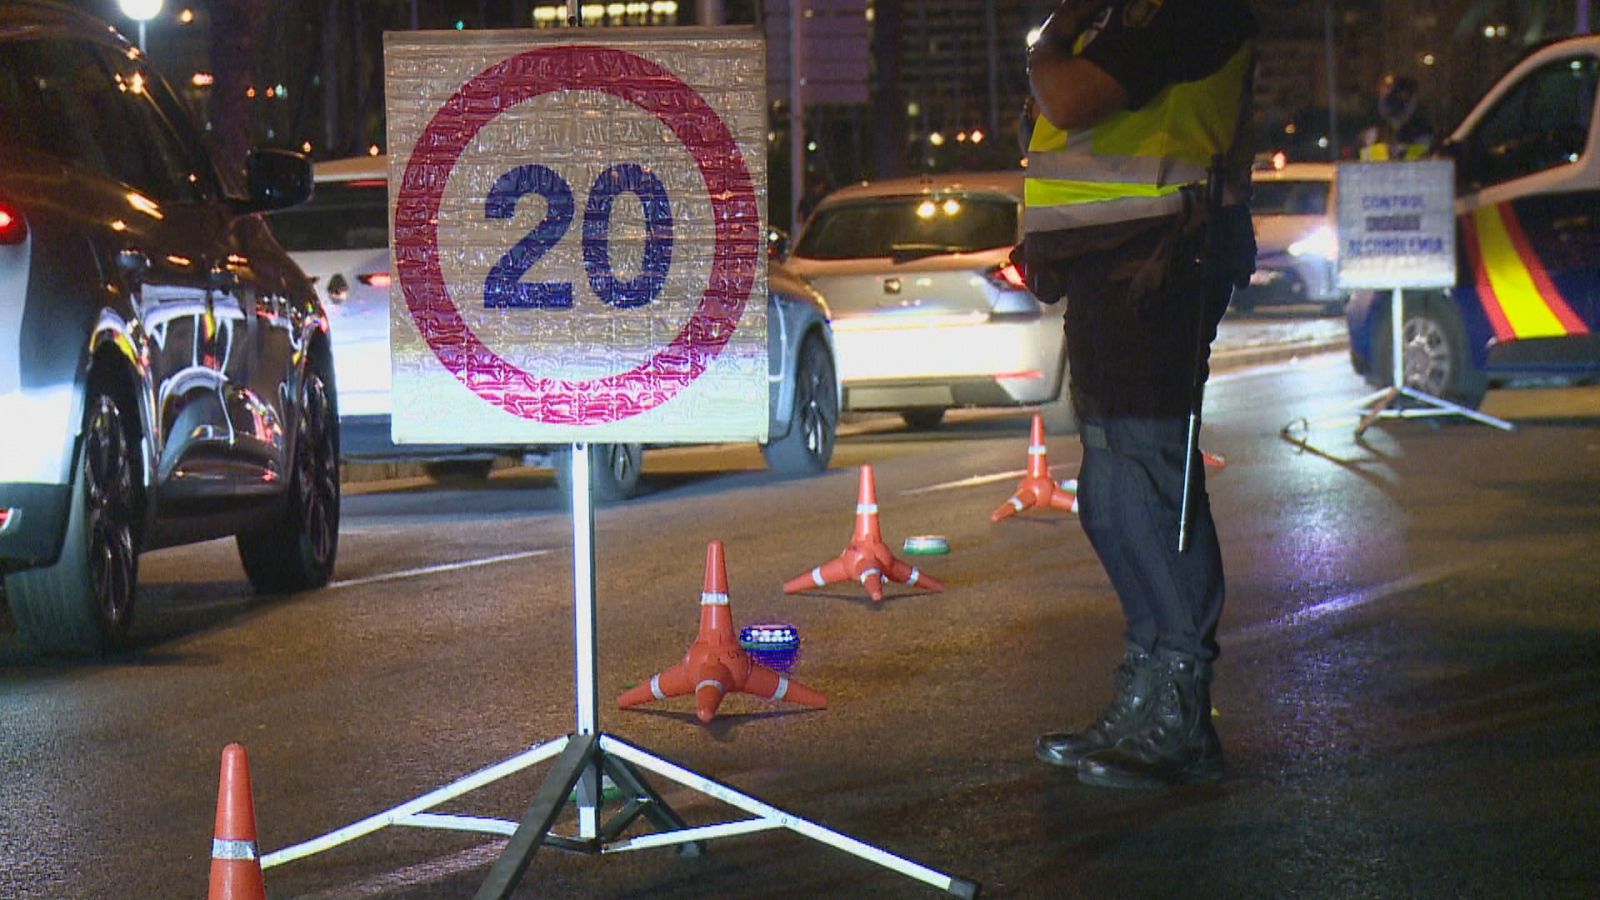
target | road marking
x=1353, y=600
x=969, y=482
x=437, y=869
x=434, y=570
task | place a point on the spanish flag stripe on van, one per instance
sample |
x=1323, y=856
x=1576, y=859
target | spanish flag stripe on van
x=1559, y=307
x=1486, y=295
x=1521, y=294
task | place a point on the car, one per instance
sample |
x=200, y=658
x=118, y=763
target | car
x=1293, y=208
x=1525, y=308
x=165, y=371
x=341, y=239
x=929, y=312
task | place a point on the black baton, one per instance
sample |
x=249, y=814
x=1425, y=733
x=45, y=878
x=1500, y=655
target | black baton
x=1214, y=184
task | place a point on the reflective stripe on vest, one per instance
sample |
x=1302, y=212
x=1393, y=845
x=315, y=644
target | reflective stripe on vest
x=1133, y=164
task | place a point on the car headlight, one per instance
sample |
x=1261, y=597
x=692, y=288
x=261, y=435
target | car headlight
x=1319, y=243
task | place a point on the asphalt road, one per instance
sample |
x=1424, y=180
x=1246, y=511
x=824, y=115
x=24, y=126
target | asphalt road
x=1408, y=694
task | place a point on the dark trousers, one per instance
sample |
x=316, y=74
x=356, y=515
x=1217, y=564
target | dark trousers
x=1136, y=312
x=1129, y=491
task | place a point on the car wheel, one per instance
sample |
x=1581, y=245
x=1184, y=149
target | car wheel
x=1434, y=357
x=614, y=470
x=84, y=602
x=296, y=553
x=814, y=420
x=923, y=419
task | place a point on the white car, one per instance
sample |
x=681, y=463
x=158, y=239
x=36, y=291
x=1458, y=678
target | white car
x=1292, y=206
x=929, y=314
x=341, y=239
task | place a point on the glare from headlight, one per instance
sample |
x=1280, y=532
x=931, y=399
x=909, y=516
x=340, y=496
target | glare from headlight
x=1320, y=243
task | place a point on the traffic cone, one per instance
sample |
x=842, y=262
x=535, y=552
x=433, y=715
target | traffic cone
x=867, y=559
x=1213, y=460
x=235, y=864
x=716, y=665
x=1037, y=488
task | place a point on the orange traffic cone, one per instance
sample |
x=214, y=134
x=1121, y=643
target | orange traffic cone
x=716, y=665
x=1037, y=488
x=1214, y=460
x=235, y=865
x=867, y=559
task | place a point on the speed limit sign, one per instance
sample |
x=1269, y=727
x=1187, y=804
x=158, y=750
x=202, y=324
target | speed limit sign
x=576, y=222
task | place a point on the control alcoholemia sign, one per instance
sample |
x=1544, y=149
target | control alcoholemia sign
x=576, y=223
x=1397, y=224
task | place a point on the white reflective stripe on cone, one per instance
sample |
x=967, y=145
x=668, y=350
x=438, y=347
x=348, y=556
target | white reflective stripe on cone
x=226, y=849
x=869, y=573
x=655, y=687
x=783, y=687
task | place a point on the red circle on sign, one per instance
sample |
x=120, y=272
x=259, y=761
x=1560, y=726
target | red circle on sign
x=702, y=132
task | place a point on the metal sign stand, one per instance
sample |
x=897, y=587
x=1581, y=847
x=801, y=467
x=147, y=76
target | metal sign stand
x=1380, y=405
x=584, y=758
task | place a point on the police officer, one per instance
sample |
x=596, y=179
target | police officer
x=1141, y=102
x=1400, y=133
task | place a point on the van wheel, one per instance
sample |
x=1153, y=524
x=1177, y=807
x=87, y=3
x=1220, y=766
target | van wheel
x=1434, y=356
x=296, y=553
x=814, y=421
x=83, y=604
x=614, y=470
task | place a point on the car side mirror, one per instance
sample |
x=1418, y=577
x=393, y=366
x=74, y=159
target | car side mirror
x=277, y=179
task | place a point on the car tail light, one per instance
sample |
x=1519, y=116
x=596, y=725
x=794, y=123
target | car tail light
x=7, y=516
x=376, y=279
x=1014, y=300
x=1008, y=277
x=12, y=228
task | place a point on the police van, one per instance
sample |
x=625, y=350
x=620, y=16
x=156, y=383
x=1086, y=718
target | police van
x=1526, y=304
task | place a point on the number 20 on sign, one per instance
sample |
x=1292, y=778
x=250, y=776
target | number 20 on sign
x=578, y=237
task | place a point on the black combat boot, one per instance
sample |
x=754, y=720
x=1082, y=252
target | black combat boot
x=1177, y=745
x=1136, y=681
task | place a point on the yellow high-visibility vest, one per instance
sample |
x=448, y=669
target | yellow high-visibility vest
x=1132, y=164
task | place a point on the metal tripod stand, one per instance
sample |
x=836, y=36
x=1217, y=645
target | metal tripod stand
x=585, y=758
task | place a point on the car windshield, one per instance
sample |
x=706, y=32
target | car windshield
x=908, y=228
x=1289, y=198
x=352, y=215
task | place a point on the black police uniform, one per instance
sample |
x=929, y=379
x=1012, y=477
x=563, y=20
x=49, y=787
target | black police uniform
x=1138, y=301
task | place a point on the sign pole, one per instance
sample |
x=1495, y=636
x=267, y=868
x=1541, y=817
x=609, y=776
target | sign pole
x=585, y=649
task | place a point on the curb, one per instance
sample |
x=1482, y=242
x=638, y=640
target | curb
x=1240, y=357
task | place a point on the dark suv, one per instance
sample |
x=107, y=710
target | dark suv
x=165, y=372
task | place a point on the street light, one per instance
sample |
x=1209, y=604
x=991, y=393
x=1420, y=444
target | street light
x=140, y=11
